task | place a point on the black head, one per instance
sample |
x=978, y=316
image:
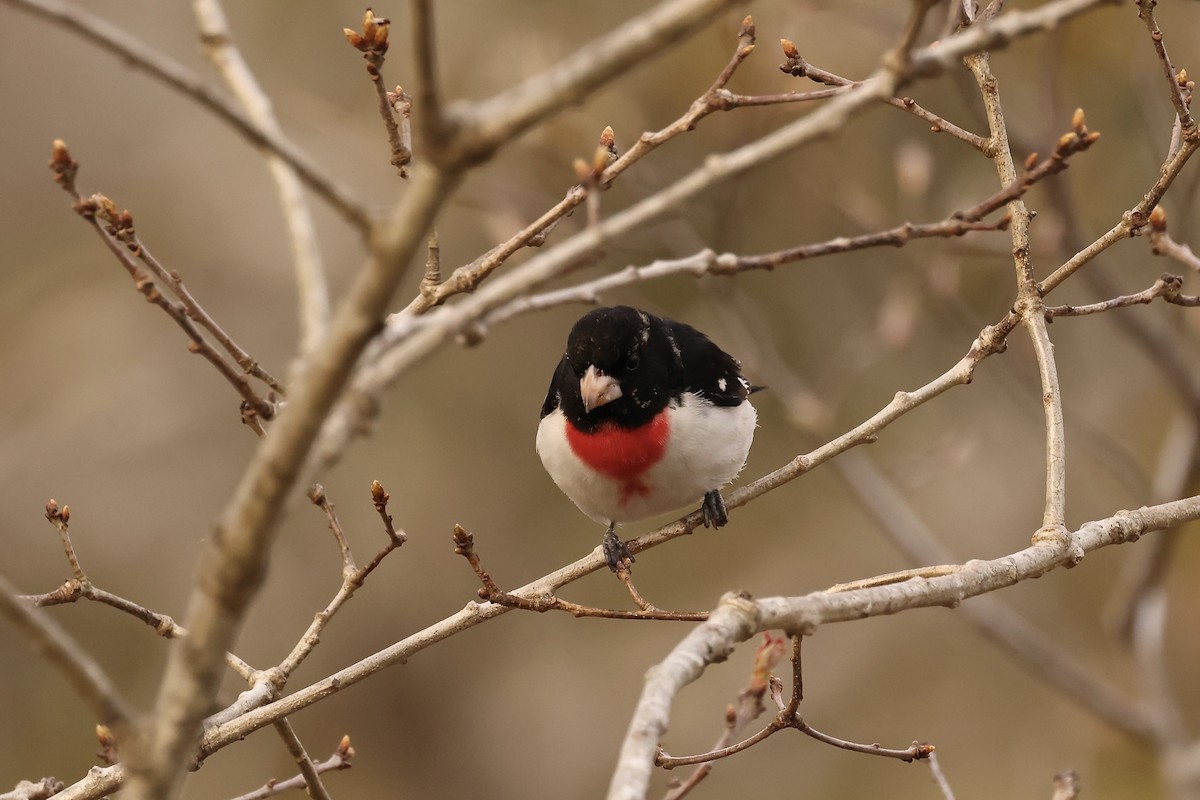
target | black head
x=628, y=349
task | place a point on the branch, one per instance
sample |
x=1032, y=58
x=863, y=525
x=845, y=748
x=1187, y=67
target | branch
x=302, y=235
x=373, y=44
x=235, y=559
x=63, y=653
x=481, y=128
x=466, y=278
x=1182, y=109
x=341, y=759
x=309, y=773
x=409, y=340
x=176, y=76
x=738, y=618
x=118, y=234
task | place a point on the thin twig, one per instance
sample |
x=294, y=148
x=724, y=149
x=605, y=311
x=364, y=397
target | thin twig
x=313, y=293
x=464, y=545
x=64, y=654
x=353, y=577
x=117, y=232
x=308, y=770
x=372, y=42
x=342, y=758
x=158, y=65
x=797, y=66
x=1167, y=287
x=1182, y=109
x=1029, y=302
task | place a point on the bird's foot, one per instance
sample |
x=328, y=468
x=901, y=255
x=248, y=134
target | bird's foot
x=615, y=550
x=715, y=514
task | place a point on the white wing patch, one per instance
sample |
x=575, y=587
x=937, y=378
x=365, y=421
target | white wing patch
x=721, y=384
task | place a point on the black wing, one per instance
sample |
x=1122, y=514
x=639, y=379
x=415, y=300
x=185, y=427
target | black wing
x=707, y=369
x=563, y=374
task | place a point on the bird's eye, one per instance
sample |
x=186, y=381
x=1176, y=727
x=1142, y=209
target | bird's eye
x=631, y=363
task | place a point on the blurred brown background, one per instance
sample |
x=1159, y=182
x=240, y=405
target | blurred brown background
x=102, y=407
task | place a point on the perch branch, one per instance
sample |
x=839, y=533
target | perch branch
x=738, y=618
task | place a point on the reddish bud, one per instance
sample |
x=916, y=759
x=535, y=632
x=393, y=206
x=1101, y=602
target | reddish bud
x=65, y=514
x=316, y=494
x=52, y=509
x=345, y=749
x=378, y=495
x=104, y=736
x=747, y=30
x=1031, y=161
x=1158, y=219
x=789, y=48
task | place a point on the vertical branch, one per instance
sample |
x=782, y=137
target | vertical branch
x=306, y=254
x=235, y=561
x=429, y=104
x=1029, y=303
x=312, y=778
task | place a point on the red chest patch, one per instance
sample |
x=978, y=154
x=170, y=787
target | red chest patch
x=621, y=453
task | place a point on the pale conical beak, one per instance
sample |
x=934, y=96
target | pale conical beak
x=597, y=389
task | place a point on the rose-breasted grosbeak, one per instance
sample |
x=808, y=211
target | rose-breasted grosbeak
x=644, y=415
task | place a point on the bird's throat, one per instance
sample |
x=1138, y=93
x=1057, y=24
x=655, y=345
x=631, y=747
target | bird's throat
x=621, y=453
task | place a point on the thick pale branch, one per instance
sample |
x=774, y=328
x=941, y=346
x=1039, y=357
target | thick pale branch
x=235, y=562
x=480, y=128
x=739, y=617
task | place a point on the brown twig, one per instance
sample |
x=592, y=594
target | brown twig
x=464, y=279
x=172, y=73
x=1167, y=287
x=342, y=758
x=1178, y=96
x=64, y=654
x=464, y=545
x=789, y=717
x=353, y=577
x=308, y=770
x=117, y=231
x=749, y=707
x=372, y=42
x=797, y=66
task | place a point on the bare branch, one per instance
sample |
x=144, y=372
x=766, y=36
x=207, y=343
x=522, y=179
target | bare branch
x=341, y=759
x=63, y=653
x=162, y=67
x=739, y=617
x=482, y=127
x=302, y=235
x=235, y=560
x=308, y=771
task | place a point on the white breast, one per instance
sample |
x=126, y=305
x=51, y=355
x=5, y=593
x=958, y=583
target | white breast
x=706, y=449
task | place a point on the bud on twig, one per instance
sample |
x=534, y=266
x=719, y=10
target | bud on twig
x=1158, y=219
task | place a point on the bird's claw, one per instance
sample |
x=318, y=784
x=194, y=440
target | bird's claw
x=715, y=515
x=615, y=550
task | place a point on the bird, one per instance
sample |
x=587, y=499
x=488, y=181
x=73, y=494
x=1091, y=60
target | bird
x=644, y=415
